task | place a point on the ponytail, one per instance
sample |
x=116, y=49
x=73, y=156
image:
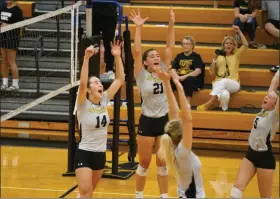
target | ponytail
x=167, y=152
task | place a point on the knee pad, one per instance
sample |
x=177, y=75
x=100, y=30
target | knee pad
x=235, y=193
x=162, y=171
x=141, y=171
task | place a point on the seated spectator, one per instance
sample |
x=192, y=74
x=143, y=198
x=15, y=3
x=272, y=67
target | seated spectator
x=189, y=68
x=245, y=12
x=226, y=68
x=272, y=25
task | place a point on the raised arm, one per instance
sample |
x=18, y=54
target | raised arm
x=274, y=83
x=186, y=116
x=119, y=80
x=138, y=21
x=84, y=74
x=277, y=106
x=173, y=112
x=242, y=37
x=170, y=41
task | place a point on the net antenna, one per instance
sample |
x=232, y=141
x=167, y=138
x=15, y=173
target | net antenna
x=58, y=21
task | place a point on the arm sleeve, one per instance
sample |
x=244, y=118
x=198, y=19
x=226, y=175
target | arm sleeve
x=175, y=63
x=198, y=62
x=17, y=16
x=141, y=77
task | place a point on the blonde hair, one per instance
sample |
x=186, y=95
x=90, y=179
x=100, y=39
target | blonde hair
x=233, y=40
x=169, y=141
x=190, y=38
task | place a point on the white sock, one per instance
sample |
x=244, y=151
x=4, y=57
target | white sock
x=15, y=82
x=139, y=194
x=164, y=195
x=5, y=81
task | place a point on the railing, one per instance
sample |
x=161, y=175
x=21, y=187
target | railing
x=38, y=53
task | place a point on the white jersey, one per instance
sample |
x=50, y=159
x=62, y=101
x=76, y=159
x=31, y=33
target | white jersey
x=154, y=100
x=265, y=123
x=189, y=165
x=93, y=122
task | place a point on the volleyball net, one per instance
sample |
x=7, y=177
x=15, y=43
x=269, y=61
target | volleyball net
x=46, y=58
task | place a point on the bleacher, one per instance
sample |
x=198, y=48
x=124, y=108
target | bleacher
x=208, y=25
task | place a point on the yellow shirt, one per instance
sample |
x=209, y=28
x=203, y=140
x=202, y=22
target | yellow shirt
x=233, y=62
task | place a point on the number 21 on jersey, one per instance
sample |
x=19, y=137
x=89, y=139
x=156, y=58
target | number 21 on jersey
x=158, y=88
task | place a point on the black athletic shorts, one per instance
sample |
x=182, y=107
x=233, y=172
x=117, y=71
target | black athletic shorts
x=152, y=127
x=89, y=159
x=274, y=22
x=261, y=159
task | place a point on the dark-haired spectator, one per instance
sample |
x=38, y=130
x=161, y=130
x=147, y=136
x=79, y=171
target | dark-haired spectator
x=272, y=25
x=245, y=12
x=189, y=68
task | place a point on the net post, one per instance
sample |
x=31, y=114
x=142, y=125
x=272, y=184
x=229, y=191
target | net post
x=130, y=94
x=116, y=132
x=71, y=133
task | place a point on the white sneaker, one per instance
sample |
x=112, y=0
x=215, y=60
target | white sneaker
x=13, y=88
x=111, y=75
x=4, y=87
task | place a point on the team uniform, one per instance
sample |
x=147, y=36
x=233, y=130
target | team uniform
x=10, y=39
x=93, y=121
x=190, y=184
x=154, y=104
x=264, y=128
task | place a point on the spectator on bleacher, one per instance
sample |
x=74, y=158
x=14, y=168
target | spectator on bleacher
x=189, y=68
x=9, y=43
x=274, y=85
x=104, y=23
x=272, y=25
x=225, y=66
x=2, y=6
x=245, y=12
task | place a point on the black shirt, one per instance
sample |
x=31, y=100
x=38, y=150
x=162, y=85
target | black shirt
x=104, y=9
x=243, y=6
x=186, y=64
x=11, y=15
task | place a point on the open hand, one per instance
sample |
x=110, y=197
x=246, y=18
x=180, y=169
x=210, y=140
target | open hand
x=163, y=75
x=137, y=19
x=116, y=48
x=236, y=29
x=172, y=16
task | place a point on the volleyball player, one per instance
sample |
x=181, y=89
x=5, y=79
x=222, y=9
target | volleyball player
x=93, y=121
x=176, y=144
x=154, y=104
x=259, y=158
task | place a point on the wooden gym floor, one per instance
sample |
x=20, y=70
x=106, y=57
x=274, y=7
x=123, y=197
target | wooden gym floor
x=30, y=172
